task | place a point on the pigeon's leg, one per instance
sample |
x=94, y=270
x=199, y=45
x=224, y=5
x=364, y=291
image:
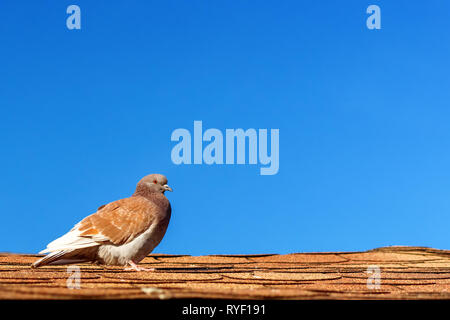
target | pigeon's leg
x=134, y=267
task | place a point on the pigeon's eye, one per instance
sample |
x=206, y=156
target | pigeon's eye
x=154, y=181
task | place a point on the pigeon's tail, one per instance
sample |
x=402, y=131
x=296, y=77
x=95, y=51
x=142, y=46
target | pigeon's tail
x=68, y=249
x=59, y=258
x=48, y=259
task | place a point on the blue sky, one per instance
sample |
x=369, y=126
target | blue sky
x=363, y=118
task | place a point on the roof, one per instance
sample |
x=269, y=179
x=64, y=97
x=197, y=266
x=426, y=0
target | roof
x=405, y=273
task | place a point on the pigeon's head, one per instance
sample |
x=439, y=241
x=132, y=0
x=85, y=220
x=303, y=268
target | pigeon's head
x=153, y=183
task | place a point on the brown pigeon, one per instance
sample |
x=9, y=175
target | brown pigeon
x=122, y=232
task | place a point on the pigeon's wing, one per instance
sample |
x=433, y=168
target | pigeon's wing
x=117, y=223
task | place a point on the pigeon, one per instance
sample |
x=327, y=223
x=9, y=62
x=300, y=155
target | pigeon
x=121, y=233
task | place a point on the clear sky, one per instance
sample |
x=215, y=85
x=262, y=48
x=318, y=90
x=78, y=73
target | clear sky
x=364, y=120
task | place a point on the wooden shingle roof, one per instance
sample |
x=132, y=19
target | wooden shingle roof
x=405, y=273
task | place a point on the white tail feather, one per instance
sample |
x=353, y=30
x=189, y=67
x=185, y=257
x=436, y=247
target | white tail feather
x=72, y=241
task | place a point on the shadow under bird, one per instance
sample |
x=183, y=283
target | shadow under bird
x=122, y=232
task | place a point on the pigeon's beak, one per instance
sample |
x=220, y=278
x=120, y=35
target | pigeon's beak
x=167, y=188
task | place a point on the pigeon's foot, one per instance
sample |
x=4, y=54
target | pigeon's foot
x=134, y=267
